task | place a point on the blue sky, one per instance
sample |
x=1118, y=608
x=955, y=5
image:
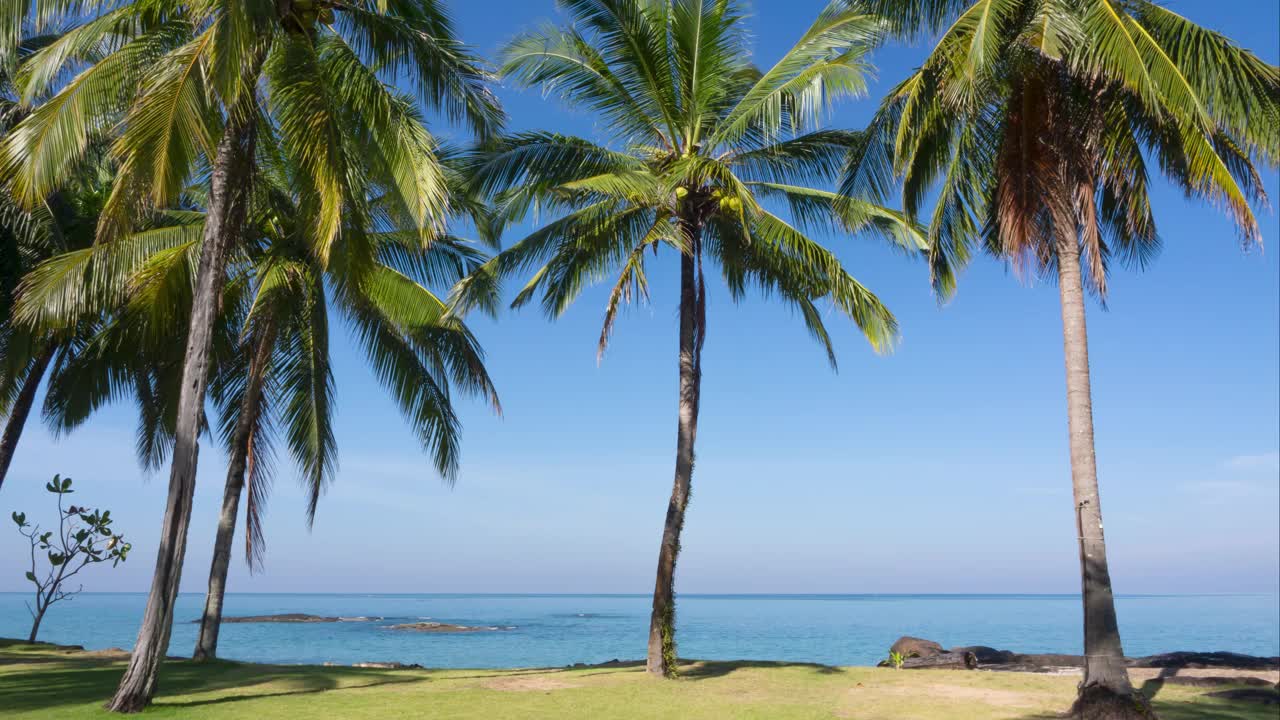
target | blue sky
x=940, y=468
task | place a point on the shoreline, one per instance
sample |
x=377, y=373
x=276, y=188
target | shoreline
x=1258, y=671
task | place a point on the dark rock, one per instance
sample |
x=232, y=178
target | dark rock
x=1051, y=660
x=1207, y=660
x=942, y=661
x=989, y=658
x=908, y=646
x=988, y=655
x=388, y=665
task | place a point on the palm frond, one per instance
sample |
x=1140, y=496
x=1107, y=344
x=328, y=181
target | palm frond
x=825, y=64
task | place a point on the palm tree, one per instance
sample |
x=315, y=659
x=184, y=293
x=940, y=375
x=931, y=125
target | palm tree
x=57, y=236
x=136, y=293
x=121, y=303
x=280, y=377
x=183, y=84
x=26, y=238
x=701, y=144
x=25, y=357
x=1032, y=123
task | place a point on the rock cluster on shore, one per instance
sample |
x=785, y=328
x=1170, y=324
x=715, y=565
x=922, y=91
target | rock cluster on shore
x=922, y=654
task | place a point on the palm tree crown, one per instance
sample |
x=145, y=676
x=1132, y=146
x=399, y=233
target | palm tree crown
x=698, y=139
x=160, y=78
x=137, y=291
x=1035, y=119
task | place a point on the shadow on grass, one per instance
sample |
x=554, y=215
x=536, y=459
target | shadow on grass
x=1190, y=710
x=52, y=682
x=603, y=669
x=1152, y=687
x=1204, y=707
x=689, y=669
x=707, y=669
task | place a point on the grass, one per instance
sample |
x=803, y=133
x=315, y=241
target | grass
x=44, y=681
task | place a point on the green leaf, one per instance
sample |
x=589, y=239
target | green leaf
x=31, y=576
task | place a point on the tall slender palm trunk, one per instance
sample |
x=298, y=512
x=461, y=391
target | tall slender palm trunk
x=250, y=408
x=1105, y=691
x=228, y=200
x=21, y=410
x=662, y=623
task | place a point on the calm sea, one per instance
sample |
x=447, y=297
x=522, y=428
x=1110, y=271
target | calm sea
x=551, y=630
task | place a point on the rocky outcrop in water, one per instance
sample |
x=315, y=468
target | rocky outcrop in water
x=292, y=618
x=438, y=627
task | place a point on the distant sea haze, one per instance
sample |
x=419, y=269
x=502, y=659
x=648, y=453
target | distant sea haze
x=555, y=630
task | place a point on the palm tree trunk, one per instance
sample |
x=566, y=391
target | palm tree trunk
x=21, y=410
x=211, y=621
x=1105, y=691
x=228, y=199
x=662, y=659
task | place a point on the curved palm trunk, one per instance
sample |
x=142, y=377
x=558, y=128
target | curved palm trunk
x=662, y=623
x=228, y=198
x=21, y=410
x=250, y=408
x=1105, y=691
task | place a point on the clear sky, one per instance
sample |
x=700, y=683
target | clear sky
x=940, y=468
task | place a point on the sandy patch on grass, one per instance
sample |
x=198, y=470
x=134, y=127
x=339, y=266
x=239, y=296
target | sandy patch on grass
x=528, y=683
x=1139, y=675
x=937, y=691
x=107, y=654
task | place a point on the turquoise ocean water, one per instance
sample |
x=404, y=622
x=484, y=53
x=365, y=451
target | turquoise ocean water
x=553, y=630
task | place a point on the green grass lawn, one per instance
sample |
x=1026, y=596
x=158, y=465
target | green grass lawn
x=41, y=681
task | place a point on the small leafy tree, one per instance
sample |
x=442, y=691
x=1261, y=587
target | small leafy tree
x=84, y=537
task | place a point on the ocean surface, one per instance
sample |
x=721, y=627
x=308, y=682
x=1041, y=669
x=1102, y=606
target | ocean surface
x=554, y=630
